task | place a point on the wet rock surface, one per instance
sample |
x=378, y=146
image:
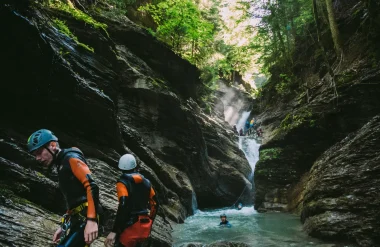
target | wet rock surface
x=315, y=124
x=130, y=95
x=342, y=195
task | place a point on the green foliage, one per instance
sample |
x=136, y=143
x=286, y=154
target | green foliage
x=283, y=22
x=64, y=29
x=237, y=58
x=120, y=4
x=292, y=121
x=261, y=172
x=79, y=15
x=61, y=25
x=344, y=78
x=62, y=52
x=158, y=83
x=191, y=33
x=193, y=29
x=86, y=47
x=255, y=93
x=270, y=154
x=210, y=74
x=180, y=24
x=283, y=87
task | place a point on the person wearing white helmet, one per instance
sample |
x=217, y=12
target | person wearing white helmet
x=127, y=163
x=137, y=206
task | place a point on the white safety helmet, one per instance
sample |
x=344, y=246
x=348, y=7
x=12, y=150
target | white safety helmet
x=127, y=162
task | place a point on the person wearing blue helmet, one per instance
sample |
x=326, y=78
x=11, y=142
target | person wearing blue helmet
x=224, y=221
x=79, y=226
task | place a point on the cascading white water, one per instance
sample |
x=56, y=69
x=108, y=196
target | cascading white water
x=248, y=226
x=251, y=150
x=241, y=122
x=194, y=203
x=248, y=144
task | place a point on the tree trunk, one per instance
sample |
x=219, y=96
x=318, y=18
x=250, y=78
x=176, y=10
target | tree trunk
x=330, y=70
x=281, y=39
x=316, y=19
x=334, y=28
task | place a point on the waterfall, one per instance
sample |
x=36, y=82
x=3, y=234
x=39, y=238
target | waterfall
x=250, y=148
x=241, y=122
x=194, y=203
x=248, y=144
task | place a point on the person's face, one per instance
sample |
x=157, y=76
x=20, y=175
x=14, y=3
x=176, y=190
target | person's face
x=223, y=219
x=43, y=156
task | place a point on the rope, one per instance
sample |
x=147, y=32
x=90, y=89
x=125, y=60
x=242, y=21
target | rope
x=239, y=196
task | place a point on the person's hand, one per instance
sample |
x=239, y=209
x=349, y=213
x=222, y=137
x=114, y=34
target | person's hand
x=90, y=232
x=57, y=235
x=110, y=240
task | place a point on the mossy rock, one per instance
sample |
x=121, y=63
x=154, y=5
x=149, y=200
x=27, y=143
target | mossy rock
x=270, y=153
x=9, y=194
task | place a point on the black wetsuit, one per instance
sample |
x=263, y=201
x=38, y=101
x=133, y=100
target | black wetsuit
x=226, y=223
x=137, y=209
x=77, y=187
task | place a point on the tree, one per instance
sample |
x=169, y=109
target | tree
x=282, y=22
x=334, y=28
x=181, y=25
x=321, y=47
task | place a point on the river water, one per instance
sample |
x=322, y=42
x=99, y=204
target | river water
x=248, y=226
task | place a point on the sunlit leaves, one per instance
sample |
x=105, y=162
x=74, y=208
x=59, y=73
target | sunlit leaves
x=181, y=25
x=282, y=22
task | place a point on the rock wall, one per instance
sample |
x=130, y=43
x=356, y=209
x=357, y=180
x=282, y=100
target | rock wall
x=343, y=189
x=304, y=164
x=132, y=94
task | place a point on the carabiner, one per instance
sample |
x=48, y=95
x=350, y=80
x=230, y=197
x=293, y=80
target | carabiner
x=65, y=226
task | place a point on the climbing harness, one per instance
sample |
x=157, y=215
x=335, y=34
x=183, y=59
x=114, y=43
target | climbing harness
x=66, y=220
x=78, y=209
x=65, y=226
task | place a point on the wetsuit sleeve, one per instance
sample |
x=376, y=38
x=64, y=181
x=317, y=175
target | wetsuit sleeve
x=153, y=202
x=122, y=195
x=83, y=174
x=121, y=190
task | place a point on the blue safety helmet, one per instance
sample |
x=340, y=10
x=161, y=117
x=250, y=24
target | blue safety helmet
x=39, y=139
